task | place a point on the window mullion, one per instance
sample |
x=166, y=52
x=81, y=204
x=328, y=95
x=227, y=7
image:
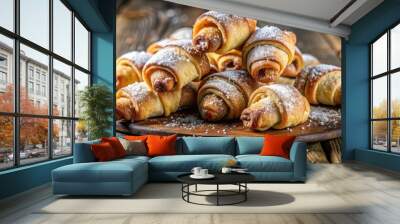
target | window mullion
x=50, y=81
x=389, y=103
x=73, y=81
x=16, y=69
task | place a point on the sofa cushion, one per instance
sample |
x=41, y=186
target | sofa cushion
x=257, y=163
x=134, y=147
x=208, y=145
x=277, y=145
x=161, y=145
x=117, y=146
x=103, y=152
x=249, y=145
x=112, y=171
x=185, y=163
x=133, y=158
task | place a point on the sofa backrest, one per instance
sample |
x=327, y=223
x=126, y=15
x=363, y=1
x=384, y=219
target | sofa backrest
x=249, y=145
x=190, y=146
x=206, y=145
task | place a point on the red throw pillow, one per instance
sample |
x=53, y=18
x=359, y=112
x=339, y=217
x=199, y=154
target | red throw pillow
x=116, y=145
x=103, y=152
x=277, y=145
x=161, y=145
x=135, y=138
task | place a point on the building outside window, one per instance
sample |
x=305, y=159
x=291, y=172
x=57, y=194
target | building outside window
x=38, y=89
x=30, y=87
x=30, y=72
x=43, y=90
x=385, y=94
x=57, y=124
x=3, y=72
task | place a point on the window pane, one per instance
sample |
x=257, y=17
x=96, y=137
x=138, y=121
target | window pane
x=62, y=141
x=395, y=94
x=34, y=72
x=6, y=142
x=81, y=132
x=6, y=74
x=7, y=14
x=379, y=97
x=33, y=139
x=379, y=55
x=81, y=45
x=395, y=138
x=395, y=47
x=62, y=89
x=34, y=19
x=379, y=135
x=81, y=81
x=62, y=29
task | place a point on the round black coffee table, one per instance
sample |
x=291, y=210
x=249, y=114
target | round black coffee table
x=238, y=179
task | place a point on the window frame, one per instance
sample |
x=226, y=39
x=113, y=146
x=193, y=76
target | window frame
x=16, y=114
x=388, y=74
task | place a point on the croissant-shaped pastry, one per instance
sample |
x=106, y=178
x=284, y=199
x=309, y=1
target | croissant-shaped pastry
x=220, y=32
x=224, y=95
x=286, y=81
x=136, y=102
x=294, y=68
x=267, y=53
x=231, y=60
x=212, y=59
x=175, y=65
x=310, y=60
x=129, y=68
x=275, y=106
x=182, y=33
x=321, y=84
x=156, y=46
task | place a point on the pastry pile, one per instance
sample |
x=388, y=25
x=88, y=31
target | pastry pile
x=229, y=69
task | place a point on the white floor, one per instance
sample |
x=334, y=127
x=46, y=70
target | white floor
x=376, y=189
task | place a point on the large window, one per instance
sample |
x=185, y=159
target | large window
x=44, y=64
x=385, y=91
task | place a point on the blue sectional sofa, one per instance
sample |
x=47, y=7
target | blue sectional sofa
x=125, y=176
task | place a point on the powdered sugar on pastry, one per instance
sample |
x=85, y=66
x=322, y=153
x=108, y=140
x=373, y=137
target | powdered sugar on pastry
x=138, y=57
x=138, y=91
x=315, y=72
x=167, y=57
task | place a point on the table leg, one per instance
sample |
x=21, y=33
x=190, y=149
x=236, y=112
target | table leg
x=188, y=190
x=217, y=194
x=245, y=193
x=195, y=188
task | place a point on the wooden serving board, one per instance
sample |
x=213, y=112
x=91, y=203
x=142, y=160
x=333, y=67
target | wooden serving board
x=324, y=124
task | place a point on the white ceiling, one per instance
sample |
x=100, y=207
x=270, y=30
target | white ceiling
x=326, y=16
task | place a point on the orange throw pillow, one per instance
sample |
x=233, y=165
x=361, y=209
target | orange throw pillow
x=103, y=152
x=135, y=137
x=277, y=145
x=161, y=145
x=116, y=145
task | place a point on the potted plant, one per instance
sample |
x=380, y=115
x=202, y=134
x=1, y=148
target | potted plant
x=96, y=110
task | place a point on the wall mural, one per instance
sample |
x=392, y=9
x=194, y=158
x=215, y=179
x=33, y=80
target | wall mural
x=191, y=71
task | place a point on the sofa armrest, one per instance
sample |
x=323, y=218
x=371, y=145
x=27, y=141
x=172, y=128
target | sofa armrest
x=298, y=155
x=83, y=152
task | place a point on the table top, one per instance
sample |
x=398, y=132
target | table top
x=220, y=178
